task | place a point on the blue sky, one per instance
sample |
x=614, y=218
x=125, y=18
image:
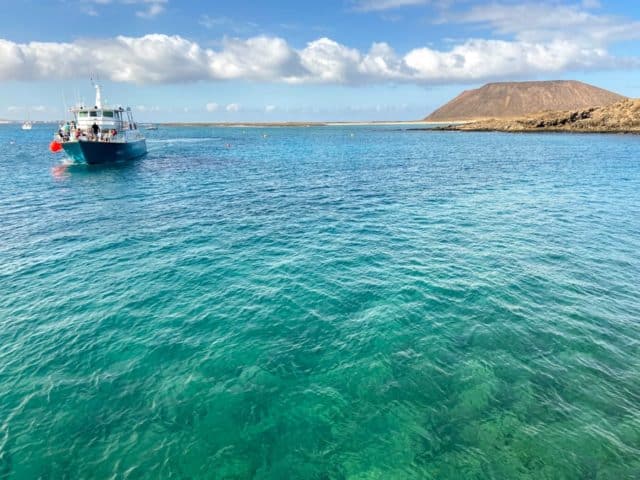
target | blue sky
x=290, y=60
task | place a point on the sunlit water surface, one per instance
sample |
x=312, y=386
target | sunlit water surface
x=322, y=303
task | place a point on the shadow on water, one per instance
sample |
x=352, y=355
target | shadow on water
x=68, y=168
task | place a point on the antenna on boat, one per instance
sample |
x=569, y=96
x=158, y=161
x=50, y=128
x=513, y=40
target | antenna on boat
x=96, y=85
x=64, y=103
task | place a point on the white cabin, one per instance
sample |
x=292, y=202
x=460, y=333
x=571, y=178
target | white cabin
x=107, y=118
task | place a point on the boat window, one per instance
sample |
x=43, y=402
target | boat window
x=107, y=113
x=82, y=114
x=93, y=114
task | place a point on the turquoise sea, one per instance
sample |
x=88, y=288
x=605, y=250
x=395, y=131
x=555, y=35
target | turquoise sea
x=322, y=303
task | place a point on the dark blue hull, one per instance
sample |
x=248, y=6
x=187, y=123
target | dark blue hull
x=94, y=153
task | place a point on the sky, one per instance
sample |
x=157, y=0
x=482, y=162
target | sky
x=292, y=60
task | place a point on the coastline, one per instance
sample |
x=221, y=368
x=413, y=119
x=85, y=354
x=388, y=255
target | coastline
x=621, y=118
x=300, y=124
x=452, y=128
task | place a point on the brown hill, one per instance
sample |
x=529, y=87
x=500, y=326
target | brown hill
x=621, y=117
x=517, y=99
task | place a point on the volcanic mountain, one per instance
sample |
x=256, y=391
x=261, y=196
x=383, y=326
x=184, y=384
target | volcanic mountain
x=518, y=99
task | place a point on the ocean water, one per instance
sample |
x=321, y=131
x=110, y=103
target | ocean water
x=322, y=303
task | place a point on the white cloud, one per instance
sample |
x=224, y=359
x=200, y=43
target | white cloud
x=382, y=61
x=328, y=61
x=211, y=107
x=151, y=11
x=591, y=3
x=151, y=8
x=208, y=21
x=256, y=58
x=545, y=21
x=227, y=23
x=487, y=59
x=380, y=5
x=270, y=108
x=163, y=59
x=233, y=107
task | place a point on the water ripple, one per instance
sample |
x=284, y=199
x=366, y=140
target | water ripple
x=316, y=305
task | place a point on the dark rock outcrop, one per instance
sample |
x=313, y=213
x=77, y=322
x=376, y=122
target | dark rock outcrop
x=621, y=117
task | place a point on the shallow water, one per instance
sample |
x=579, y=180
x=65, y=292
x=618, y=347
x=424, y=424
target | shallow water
x=322, y=303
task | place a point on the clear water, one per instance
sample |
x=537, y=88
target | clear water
x=322, y=303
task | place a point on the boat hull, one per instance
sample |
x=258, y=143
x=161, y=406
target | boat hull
x=95, y=153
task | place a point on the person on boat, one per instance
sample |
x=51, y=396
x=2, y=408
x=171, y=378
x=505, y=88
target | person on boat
x=96, y=130
x=66, y=128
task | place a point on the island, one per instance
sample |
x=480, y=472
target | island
x=552, y=106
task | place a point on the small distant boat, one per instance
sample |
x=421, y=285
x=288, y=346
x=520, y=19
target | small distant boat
x=151, y=127
x=27, y=125
x=100, y=134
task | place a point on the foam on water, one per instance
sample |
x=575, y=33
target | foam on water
x=392, y=304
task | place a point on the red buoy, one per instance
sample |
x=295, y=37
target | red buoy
x=55, y=146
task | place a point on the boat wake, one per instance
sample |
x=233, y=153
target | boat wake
x=184, y=140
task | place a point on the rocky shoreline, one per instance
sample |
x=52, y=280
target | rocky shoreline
x=620, y=117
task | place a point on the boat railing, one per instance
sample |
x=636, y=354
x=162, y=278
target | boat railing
x=88, y=136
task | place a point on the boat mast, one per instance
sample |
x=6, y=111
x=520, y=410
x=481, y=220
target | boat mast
x=98, y=103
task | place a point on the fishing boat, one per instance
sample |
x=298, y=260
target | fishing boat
x=100, y=134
